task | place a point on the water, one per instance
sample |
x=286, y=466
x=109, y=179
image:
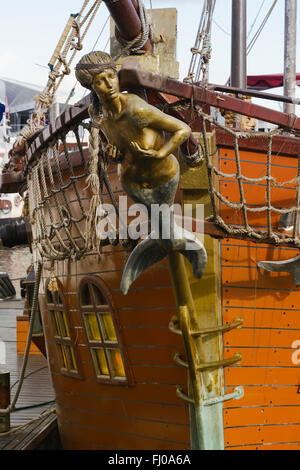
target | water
x=15, y=262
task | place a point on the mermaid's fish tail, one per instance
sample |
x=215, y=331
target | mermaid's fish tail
x=151, y=251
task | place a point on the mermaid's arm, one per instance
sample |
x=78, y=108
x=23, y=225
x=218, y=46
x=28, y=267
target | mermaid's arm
x=153, y=118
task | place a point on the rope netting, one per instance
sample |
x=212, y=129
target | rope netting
x=59, y=200
x=69, y=44
x=264, y=202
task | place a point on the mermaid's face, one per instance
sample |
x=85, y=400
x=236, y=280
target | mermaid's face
x=106, y=84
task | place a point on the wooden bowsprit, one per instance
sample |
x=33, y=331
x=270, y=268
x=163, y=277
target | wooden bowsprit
x=204, y=397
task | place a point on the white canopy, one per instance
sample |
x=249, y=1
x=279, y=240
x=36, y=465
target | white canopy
x=20, y=95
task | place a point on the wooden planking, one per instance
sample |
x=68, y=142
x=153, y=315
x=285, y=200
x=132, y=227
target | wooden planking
x=162, y=374
x=262, y=415
x=267, y=434
x=150, y=402
x=127, y=425
x=248, y=375
x=149, y=355
x=109, y=438
x=263, y=318
x=168, y=413
x=276, y=446
x=131, y=408
x=262, y=357
x=78, y=441
x=261, y=338
x=238, y=296
x=264, y=395
x=151, y=337
x=254, y=166
x=268, y=415
x=147, y=392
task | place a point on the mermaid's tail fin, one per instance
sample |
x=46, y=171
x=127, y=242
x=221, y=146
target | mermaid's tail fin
x=291, y=266
x=151, y=251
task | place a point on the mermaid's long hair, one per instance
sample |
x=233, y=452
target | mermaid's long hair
x=90, y=65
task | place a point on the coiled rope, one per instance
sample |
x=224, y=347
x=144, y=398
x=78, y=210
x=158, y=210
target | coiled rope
x=135, y=45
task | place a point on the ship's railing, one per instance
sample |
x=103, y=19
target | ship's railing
x=262, y=203
x=251, y=196
x=235, y=217
x=57, y=220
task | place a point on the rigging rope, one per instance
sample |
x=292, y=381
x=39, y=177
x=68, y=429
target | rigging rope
x=267, y=234
x=252, y=26
x=67, y=42
x=261, y=27
x=135, y=45
x=201, y=51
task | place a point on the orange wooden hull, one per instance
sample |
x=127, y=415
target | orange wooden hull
x=268, y=416
x=146, y=413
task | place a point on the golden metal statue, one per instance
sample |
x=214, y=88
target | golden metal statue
x=149, y=171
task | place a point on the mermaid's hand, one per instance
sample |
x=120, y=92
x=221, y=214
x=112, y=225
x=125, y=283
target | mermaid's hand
x=151, y=153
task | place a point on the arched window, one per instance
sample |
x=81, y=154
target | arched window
x=102, y=333
x=62, y=333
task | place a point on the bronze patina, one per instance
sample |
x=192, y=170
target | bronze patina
x=149, y=172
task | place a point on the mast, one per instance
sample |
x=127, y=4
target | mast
x=238, y=44
x=290, y=29
x=126, y=17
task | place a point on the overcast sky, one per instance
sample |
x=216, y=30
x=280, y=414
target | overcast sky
x=30, y=31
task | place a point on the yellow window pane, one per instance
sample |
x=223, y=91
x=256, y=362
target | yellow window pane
x=65, y=323
x=55, y=322
x=93, y=328
x=62, y=356
x=62, y=326
x=101, y=362
x=70, y=357
x=73, y=359
x=108, y=327
x=117, y=362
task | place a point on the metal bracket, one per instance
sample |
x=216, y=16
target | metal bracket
x=219, y=329
x=236, y=395
x=180, y=393
x=209, y=365
x=173, y=326
x=205, y=331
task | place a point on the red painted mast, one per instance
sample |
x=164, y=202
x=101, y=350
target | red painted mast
x=126, y=17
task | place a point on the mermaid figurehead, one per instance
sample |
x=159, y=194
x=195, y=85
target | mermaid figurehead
x=149, y=171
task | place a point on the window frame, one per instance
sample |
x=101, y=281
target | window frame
x=103, y=344
x=62, y=340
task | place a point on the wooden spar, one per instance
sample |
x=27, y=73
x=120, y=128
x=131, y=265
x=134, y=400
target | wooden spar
x=255, y=94
x=238, y=44
x=290, y=52
x=61, y=41
x=204, y=421
x=201, y=95
x=127, y=20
